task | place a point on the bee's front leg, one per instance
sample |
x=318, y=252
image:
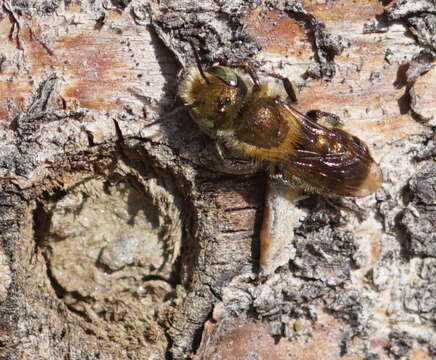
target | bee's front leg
x=221, y=157
x=235, y=161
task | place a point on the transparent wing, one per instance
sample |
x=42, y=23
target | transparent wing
x=331, y=160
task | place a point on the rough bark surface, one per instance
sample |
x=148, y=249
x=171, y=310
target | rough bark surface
x=125, y=240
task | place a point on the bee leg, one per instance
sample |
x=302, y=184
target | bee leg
x=290, y=87
x=222, y=157
x=329, y=120
x=292, y=181
x=253, y=75
x=237, y=162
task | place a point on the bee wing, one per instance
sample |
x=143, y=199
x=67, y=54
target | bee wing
x=333, y=161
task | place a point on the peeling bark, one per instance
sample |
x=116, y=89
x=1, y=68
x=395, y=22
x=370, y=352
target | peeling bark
x=121, y=239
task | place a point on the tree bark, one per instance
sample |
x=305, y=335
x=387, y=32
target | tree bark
x=122, y=238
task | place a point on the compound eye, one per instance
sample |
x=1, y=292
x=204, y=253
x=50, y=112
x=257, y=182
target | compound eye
x=225, y=74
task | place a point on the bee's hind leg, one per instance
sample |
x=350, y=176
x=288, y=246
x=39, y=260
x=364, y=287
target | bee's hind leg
x=329, y=120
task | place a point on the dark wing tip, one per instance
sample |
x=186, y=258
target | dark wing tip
x=371, y=183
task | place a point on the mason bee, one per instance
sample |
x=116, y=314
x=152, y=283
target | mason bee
x=259, y=120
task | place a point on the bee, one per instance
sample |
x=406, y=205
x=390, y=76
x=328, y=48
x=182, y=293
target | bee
x=258, y=119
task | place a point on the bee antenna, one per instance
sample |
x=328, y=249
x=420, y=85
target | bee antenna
x=197, y=60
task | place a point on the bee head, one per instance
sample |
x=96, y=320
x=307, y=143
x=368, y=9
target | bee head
x=214, y=97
